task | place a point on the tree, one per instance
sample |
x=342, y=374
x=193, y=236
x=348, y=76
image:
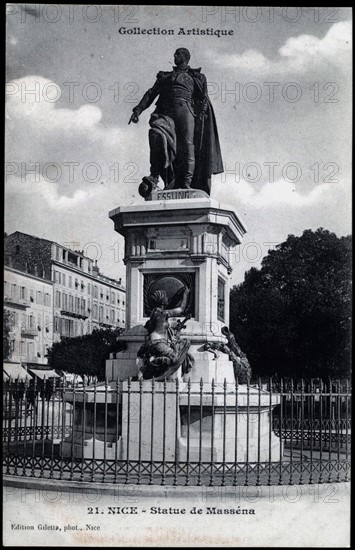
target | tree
x=7, y=326
x=292, y=317
x=85, y=355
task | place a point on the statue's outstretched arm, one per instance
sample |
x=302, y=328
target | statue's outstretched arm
x=145, y=102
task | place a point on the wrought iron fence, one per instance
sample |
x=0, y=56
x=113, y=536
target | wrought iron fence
x=178, y=433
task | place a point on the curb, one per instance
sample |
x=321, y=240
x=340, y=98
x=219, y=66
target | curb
x=168, y=491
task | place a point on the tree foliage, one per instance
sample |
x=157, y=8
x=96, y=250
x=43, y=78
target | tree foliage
x=85, y=355
x=292, y=317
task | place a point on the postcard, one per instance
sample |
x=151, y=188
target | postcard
x=177, y=276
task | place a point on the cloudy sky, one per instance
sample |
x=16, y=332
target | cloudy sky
x=280, y=84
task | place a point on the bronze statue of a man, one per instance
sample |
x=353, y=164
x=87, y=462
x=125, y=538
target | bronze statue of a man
x=183, y=138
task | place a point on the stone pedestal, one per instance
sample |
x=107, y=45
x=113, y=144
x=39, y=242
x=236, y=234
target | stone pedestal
x=176, y=420
x=96, y=428
x=255, y=439
x=173, y=242
x=150, y=423
x=169, y=241
x=144, y=426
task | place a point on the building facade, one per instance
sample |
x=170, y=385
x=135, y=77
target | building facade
x=83, y=298
x=29, y=300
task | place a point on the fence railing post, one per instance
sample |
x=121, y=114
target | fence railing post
x=164, y=433
x=259, y=433
x=236, y=421
x=211, y=483
x=118, y=423
x=346, y=428
x=302, y=434
x=176, y=430
x=187, y=480
x=200, y=435
x=152, y=433
x=140, y=430
x=52, y=431
x=246, y=481
x=128, y=428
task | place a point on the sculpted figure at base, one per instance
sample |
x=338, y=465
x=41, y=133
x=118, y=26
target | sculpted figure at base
x=183, y=138
x=241, y=366
x=165, y=351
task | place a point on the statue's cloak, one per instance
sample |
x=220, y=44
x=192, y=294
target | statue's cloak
x=208, y=157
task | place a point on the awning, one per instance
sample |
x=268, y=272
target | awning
x=44, y=373
x=16, y=371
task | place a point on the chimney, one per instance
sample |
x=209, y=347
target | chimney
x=95, y=269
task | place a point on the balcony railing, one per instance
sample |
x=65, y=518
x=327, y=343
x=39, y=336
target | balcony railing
x=16, y=301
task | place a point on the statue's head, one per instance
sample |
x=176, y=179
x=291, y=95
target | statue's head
x=159, y=298
x=182, y=55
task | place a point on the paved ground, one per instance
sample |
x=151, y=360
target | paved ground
x=294, y=516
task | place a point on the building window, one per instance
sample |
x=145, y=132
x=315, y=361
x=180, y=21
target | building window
x=23, y=348
x=32, y=295
x=221, y=299
x=71, y=303
x=94, y=311
x=70, y=281
x=39, y=297
x=63, y=279
x=23, y=293
x=30, y=351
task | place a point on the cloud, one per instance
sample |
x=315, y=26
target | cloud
x=71, y=148
x=278, y=194
x=49, y=193
x=32, y=100
x=299, y=54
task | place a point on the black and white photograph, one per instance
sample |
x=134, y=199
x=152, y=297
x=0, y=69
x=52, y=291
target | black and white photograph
x=177, y=276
